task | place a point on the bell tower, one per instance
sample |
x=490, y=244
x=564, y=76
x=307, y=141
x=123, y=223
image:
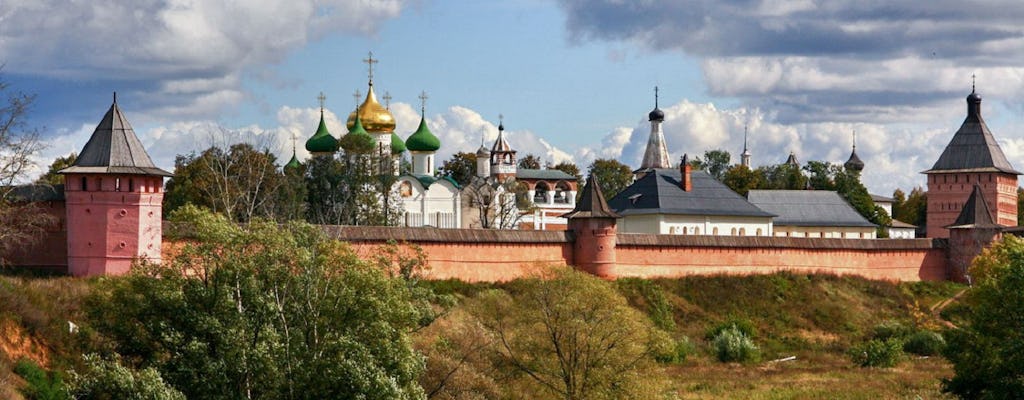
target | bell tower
x=113, y=196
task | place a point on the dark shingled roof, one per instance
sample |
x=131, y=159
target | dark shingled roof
x=973, y=148
x=114, y=149
x=658, y=192
x=543, y=174
x=975, y=213
x=592, y=203
x=808, y=208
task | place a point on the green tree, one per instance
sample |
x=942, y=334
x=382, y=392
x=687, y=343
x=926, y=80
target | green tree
x=987, y=350
x=613, y=175
x=350, y=191
x=265, y=311
x=529, y=162
x=913, y=208
x=110, y=380
x=782, y=177
x=741, y=179
x=569, y=168
x=1020, y=206
x=461, y=167
x=51, y=176
x=715, y=162
x=821, y=175
x=572, y=336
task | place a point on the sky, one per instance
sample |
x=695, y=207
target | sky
x=573, y=79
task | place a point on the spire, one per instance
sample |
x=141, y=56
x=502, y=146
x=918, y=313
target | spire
x=854, y=163
x=656, y=114
x=791, y=160
x=322, y=141
x=592, y=203
x=294, y=162
x=114, y=148
x=355, y=97
x=500, y=144
x=973, y=102
x=975, y=213
x=745, y=156
x=656, y=154
x=973, y=147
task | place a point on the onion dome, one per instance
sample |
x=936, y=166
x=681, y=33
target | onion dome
x=375, y=117
x=423, y=139
x=397, y=145
x=322, y=141
x=854, y=163
x=356, y=134
x=293, y=163
x=482, y=152
x=656, y=114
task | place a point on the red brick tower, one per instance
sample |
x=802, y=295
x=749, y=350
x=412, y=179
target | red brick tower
x=113, y=197
x=972, y=157
x=593, y=225
x=971, y=233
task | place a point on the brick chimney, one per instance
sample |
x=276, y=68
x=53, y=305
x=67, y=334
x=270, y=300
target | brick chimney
x=684, y=172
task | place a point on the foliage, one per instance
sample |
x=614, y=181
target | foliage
x=925, y=343
x=881, y=353
x=461, y=167
x=715, y=162
x=110, y=380
x=572, y=336
x=264, y=311
x=349, y=191
x=987, y=351
x=733, y=345
x=498, y=205
x=612, y=174
x=742, y=179
x=240, y=182
x=912, y=208
x=291, y=197
x=41, y=385
x=782, y=177
x=51, y=176
x=891, y=330
x=529, y=162
x=678, y=353
x=745, y=326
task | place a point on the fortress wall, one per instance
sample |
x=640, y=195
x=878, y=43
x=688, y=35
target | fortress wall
x=651, y=256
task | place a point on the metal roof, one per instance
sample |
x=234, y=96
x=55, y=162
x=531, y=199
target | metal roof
x=658, y=192
x=973, y=148
x=544, y=174
x=975, y=213
x=114, y=149
x=592, y=203
x=877, y=198
x=808, y=208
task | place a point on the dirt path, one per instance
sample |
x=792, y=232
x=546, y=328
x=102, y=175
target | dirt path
x=936, y=309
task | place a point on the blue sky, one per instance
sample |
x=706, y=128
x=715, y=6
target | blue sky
x=573, y=78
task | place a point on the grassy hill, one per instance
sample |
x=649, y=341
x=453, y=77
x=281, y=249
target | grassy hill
x=815, y=318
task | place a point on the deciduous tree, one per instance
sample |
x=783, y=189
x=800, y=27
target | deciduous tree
x=613, y=175
x=51, y=177
x=461, y=167
x=715, y=162
x=529, y=162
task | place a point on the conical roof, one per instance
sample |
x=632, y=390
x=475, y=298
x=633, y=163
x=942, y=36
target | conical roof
x=500, y=144
x=423, y=139
x=592, y=203
x=791, y=160
x=375, y=117
x=975, y=213
x=114, y=148
x=322, y=141
x=973, y=148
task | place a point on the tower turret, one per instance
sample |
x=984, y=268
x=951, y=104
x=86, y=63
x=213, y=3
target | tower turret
x=854, y=163
x=745, y=156
x=503, y=158
x=593, y=225
x=656, y=154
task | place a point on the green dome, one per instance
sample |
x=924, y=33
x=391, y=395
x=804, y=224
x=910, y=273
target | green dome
x=397, y=145
x=293, y=163
x=357, y=138
x=322, y=141
x=422, y=139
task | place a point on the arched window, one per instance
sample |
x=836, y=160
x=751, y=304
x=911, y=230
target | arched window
x=743, y=231
x=540, y=193
x=696, y=231
x=562, y=193
x=758, y=231
x=714, y=231
x=733, y=231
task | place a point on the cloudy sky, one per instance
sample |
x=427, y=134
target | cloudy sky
x=573, y=78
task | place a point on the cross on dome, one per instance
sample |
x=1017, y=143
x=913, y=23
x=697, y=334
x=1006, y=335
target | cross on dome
x=655, y=97
x=973, y=81
x=369, y=60
x=322, y=98
x=357, y=95
x=387, y=99
x=423, y=102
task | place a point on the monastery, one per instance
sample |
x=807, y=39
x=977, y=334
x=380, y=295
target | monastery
x=671, y=221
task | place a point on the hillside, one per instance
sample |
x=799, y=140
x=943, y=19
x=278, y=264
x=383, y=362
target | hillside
x=815, y=318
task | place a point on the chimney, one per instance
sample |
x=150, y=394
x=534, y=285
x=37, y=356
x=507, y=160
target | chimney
x=684, y=172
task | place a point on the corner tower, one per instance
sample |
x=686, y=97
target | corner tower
x=593, y=224
x=972, y=157
x=114, y=201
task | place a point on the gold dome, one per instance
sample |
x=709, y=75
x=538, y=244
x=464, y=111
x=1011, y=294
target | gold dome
x=375, y=118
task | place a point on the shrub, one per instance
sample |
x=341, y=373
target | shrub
x=891, y=330
x=731, y=344
x=40, y=384
x=677, y=352
x=877, y=353
x=743, y=325
x=925, y=343
x=109, y=379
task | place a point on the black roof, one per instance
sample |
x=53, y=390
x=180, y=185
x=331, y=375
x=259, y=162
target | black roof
x=659, y=192
x=113, y=148
x=808, y=208
x=973, y=148
x=592, y=203
x=975, y=213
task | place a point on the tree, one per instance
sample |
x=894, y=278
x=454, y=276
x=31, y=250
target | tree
x=987, y=350
x=715, y=162
x=613, y=175
x=573, y=336
x=110, y=379
x=351, y=191
x=569, y=168
x=913, y=209
x=51, y=176
x=22, y=222
x=821, y=175
x=782, y=177
x=529, y=162
x=461, y=167
x=263, y=310
x=742, y=179
x=498, y=205
x=240, y=182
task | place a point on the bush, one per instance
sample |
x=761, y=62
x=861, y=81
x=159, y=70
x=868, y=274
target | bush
x=41, y=385
x=743, y=325
x=677, y=353
x=891, y=330
x=878, y=353
x=731, y=344
x=103, y=379
x=925, y=343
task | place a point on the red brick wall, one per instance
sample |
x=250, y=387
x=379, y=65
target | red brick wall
x=947, y=194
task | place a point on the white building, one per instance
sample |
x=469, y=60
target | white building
x=813, y=214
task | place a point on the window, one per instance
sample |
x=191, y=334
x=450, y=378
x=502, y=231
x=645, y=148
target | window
x=743, y=231
x=733, y=232
x=714, y=231
x=84, y=185
x=562, y=193
x=540, y=193
x=131, y=185
x=758, y=231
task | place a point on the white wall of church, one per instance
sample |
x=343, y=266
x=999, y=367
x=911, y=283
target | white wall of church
x=834, y=232
x=437, y=206
x=668, y=224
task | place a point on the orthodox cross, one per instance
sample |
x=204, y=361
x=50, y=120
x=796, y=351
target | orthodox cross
x=855, y=139
x=973, y=77
x=423, y=102
x=369, y=63
x=387, y=99
x=357, y=96
x=501, y=122
x=655, y=97
x=294, y=138
x=322, y=99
